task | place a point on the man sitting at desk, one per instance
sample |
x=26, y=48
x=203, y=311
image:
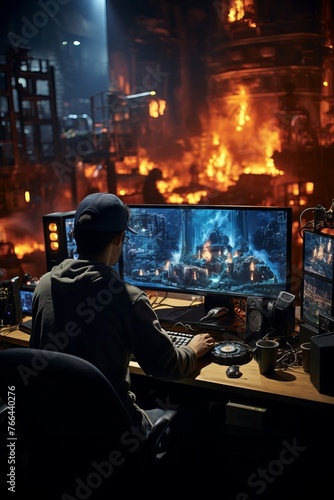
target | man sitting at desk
x=83, y=308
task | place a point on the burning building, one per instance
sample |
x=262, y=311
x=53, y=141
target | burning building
x=247, y=92
x=232, y=101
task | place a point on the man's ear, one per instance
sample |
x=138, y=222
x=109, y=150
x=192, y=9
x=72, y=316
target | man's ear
x=118, y=239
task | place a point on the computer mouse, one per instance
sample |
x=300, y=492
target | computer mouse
x=217, y=312
x=233, y=371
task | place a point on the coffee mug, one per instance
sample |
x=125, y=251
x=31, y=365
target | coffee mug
x=265, y=353
x=306, y=352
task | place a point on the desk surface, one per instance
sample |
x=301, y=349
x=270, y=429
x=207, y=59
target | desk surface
x=8, y=336
x=292, y=384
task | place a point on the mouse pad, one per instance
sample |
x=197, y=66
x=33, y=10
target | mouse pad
x=193, y=315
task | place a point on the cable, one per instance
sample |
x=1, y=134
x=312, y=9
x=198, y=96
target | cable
x=322, y=219
x=186, y=326
x=289, y=358
x=155, y=298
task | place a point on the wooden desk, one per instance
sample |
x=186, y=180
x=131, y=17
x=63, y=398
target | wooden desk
x=15, y=337
x=291, y=385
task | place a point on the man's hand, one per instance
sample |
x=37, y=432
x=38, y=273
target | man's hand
x=201, y=344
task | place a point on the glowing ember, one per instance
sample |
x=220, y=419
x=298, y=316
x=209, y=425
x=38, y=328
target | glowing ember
x=252, y=269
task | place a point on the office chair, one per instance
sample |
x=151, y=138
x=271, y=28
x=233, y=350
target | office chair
x=74, y=438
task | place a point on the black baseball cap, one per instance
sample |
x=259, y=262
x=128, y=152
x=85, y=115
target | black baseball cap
x=108, y=213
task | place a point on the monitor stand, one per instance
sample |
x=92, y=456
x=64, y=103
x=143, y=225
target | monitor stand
x=193, y=315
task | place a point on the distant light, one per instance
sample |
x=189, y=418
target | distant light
x=76, y=42
x=27, y=196
x=325, y=84
x=309, y=188
x=64, y=42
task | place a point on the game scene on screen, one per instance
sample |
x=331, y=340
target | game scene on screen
x=70, y=241
x=26, y=301
x=317, y=298
x=318, y=254
x=209, y=250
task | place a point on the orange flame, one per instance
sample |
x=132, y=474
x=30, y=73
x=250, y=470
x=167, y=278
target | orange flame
x=252, y=269
x=206, y=253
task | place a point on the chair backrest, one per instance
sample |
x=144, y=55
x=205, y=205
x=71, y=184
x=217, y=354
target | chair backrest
x=69, y=421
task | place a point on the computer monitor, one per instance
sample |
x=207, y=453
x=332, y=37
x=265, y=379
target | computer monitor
x=218, y=252
x=26, y=296
x=318, y=276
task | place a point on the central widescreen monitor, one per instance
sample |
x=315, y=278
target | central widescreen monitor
x=218, y=252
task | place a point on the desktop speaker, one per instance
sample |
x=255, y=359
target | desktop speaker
x=322, y=363
x=258, y=312
x=276, y=317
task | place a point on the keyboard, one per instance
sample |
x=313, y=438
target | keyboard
x=180, y=338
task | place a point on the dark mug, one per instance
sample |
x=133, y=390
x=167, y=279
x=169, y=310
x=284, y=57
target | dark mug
x=306, y=352
x=265, y=353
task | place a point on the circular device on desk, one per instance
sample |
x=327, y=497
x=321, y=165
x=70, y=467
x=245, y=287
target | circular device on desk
x=231, y=353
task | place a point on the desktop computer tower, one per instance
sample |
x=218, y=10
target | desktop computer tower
x=322, y=363
x=10, y=302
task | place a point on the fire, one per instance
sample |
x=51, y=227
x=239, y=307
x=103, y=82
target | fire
x=239, y=13
x=321, y=252
x=242, y=117
x=22, y=249
x=238, y=141
x=206, y=253
x=145, y=166
x=252, y=269
x=156, y=108
x=246, y=150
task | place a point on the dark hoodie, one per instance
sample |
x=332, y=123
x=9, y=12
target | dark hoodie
x=83, y=308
